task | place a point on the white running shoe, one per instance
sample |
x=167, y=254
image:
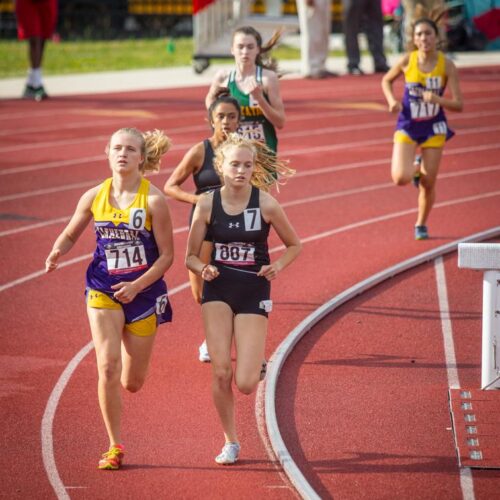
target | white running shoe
x=204, y=356
x=229, y=454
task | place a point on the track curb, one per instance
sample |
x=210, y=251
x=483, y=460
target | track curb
x=278, y=358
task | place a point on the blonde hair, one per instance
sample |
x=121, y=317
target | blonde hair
x=268, y=170
x=154, y=144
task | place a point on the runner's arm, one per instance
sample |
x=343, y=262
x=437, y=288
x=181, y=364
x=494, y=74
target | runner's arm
x=70, y=234
x=188, y=166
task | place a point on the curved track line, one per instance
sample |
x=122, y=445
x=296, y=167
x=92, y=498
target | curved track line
x=285, y=348
x=280, y=450
x=49, y=461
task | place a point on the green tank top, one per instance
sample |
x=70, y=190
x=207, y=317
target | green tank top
x=254, y=124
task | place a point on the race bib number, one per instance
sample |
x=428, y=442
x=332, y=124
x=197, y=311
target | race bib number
x=125, y=257
x=252, y=219
x=237, y=254
x=433, y=83
x=137, y=218
x=161, y=304
x=252, y=130
x=440, y=128
x=421, y=110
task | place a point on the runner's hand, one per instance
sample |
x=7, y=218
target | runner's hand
x=269, y=272
x=51, y=262
x=395, y=107
x=126, y=291
x=209, y=273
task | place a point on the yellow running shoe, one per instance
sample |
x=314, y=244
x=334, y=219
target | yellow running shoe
x=112, y=459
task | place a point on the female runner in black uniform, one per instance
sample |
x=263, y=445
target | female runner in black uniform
x=236, y=293
x=224, y=118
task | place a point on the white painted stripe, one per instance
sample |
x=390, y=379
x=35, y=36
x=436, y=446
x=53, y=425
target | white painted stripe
x=48, y=418
x=466, y=480
x=337, y=194
x=280, y=355
x=307, y=239
x=30, y=227
x=467, y=484
x=49, y=461
x=446, y=328
x=47, y=437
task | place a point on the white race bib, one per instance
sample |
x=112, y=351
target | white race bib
x=125, y=257
x=237, y=254
x=421, y=110
x=252, y=130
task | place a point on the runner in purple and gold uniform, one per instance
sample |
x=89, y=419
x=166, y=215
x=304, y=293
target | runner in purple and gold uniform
x=422, y=122
x=126, y=295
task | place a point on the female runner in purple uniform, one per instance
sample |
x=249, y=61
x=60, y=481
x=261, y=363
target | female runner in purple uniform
x=236, y=293
x=421, y=121
x=125, y=292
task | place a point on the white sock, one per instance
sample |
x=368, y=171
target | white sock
x=35, y=77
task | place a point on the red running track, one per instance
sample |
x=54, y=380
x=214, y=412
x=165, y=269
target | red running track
x=353, y=223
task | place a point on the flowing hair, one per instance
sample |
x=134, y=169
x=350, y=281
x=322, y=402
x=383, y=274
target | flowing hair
x=264, y=58
x=268, y=169
x=153, y=144
x=435, y=18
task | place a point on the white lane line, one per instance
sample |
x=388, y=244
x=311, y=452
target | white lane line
x=446, y=328
x=47, y=436
x=466, y=480
x=300, y=201
x=307, y=239
x=175, y=147
x=329, y=130
x=282, y=352
x=68, y=187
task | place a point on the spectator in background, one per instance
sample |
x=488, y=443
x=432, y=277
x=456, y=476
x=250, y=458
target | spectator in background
x=315, y=27
x=36, y=21
x=366, y=14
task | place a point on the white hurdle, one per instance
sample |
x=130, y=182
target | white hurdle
x=486, y=257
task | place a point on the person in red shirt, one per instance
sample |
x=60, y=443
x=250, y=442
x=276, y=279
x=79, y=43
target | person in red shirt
x=36, y=21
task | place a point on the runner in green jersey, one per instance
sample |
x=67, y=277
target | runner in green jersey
x=254, y=83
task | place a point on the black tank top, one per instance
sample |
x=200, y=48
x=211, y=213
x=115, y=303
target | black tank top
x=207, y=179
x=240, y=241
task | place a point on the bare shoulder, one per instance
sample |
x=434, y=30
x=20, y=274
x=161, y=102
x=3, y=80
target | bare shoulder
x=450, y=66
x=269, y=76
x=221, y=76
x=156, y=198
x=88, y=197
x=205, y=202
x=268, y=204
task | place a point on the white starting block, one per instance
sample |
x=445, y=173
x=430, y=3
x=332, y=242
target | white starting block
x=486, y=257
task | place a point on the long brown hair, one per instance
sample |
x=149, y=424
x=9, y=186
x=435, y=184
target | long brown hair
x=264, y=58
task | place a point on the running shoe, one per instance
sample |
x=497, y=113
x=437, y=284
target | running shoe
x=204, y=356
x=112, y=459
x=35, y=93
x=229, y=454
x=416, y=176
x=421, y=233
